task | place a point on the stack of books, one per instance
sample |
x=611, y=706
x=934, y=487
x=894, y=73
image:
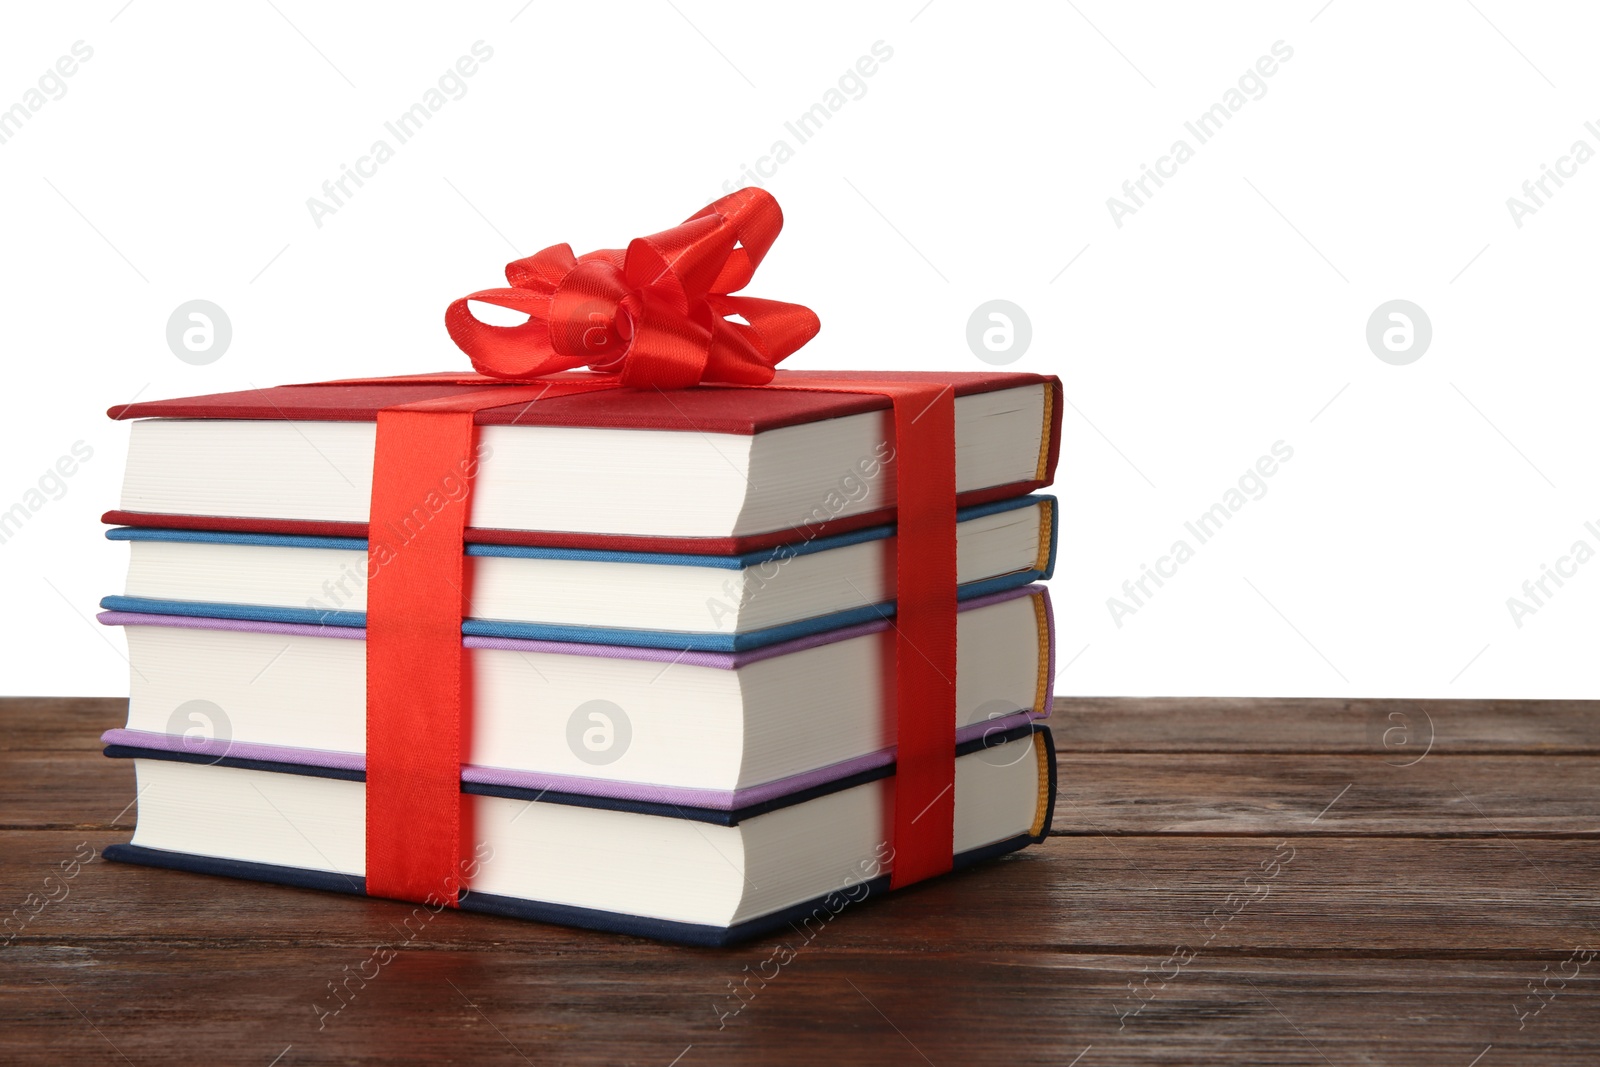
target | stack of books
x=680, y=656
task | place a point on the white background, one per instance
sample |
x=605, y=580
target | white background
x=1227, y=314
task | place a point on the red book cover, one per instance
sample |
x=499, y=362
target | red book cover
x=701, y=409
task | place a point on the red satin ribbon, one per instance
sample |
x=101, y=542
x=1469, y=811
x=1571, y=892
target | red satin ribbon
x=659, y=315
x=417, y=596
x=654, y=316
x=925, y=621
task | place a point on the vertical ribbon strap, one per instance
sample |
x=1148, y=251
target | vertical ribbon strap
x=415, y=602
x=925, y=633
x=925, y=616
x=422, y=473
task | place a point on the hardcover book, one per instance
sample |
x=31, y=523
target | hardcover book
x=711, y=730
x=648, y=599
x=654, y=870
x=704, y=470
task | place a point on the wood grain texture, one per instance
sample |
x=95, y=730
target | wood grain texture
x=1267, y=793
x=1238, y=882
x=1398, y=729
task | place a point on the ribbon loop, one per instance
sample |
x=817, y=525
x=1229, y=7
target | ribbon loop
x=655, y=315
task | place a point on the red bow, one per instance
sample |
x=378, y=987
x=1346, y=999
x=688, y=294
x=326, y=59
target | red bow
x=659, y=314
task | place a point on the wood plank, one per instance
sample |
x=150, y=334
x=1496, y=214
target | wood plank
x=828, y=1005
x=58, y=722
x=1398, y=729
x=1249, y=793
x=1492, y=899
x=42, y=788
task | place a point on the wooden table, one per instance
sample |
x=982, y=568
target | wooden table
x=1231, y=881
